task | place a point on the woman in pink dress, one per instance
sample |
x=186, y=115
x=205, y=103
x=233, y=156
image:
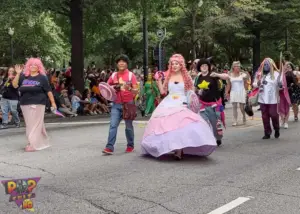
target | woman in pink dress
x=173, y=127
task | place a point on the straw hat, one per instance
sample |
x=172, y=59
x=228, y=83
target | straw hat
x=107, y=91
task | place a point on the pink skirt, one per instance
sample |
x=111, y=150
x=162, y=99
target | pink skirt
x=284, y=106
x=35, y=128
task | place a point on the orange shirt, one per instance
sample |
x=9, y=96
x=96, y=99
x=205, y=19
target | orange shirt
x=96, y=90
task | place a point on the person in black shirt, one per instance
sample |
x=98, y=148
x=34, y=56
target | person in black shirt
x=35, y=90
x=10, y=100
x=207, y=87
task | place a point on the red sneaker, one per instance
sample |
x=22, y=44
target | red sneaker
x=107, y=151
x=129, y=150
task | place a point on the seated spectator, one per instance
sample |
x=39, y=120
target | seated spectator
x=54, y=77
x=65, y=104
x=100, y=107
x=95, y=89
x=89, y=107
x=75, y=100
x=60, y=86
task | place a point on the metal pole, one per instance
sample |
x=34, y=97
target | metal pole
x=159, y=57
x=286, y=40
x=11, y=50
x=145, y=40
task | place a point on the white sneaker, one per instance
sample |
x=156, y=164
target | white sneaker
x=286, y=126
x=234, y=124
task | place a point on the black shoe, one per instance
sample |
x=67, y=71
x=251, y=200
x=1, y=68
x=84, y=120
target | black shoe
x=4, y=126
x=277, y=134
x=267, y=136
x=219, y=142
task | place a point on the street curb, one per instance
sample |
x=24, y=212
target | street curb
x=60, y=126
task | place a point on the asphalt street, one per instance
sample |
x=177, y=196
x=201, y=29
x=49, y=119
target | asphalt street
x=244, y=176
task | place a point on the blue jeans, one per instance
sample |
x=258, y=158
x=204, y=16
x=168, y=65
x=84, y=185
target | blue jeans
x=9, y=106
x=115, y=119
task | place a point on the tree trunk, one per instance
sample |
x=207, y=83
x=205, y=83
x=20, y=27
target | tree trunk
x=77, y=58
x=256, y=50
x=194, y=16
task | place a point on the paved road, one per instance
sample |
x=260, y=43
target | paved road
x=247, y=174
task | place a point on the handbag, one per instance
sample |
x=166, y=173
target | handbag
x=248, y=108
x=129, y=111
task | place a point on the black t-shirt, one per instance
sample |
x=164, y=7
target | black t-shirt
x=210, y=86
x=9, y=92
x=34, y=90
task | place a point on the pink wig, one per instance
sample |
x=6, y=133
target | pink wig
x=38, y=63
x=188, y=82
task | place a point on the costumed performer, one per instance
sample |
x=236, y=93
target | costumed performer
x=292, y=78
x=151, y=92
x=236, y=89
x=267, y=78
x=173, y=127
x=208, y=86
x=35, y=89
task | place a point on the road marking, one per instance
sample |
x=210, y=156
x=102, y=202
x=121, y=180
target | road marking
x=93, y=122
x=242, y=127
x=231, y=205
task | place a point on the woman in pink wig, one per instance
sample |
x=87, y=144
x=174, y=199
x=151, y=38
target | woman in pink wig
x=35, y=90
x=173, y=127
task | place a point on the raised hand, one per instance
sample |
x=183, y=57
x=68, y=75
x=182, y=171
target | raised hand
x=18, y=69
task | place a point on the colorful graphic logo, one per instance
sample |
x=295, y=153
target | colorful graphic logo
x=20, y=191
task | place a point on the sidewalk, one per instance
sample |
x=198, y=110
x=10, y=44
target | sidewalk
x=54, y=122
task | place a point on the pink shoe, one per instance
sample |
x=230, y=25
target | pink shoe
x=29, y=149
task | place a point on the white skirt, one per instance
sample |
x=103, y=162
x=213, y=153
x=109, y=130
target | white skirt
x=238, y=96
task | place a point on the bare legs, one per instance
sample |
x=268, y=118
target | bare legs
x=235, y=112
x=296, y=111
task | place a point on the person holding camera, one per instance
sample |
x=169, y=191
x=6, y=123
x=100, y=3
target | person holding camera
x=126, y=87
x=268, y=81
x=10, y=100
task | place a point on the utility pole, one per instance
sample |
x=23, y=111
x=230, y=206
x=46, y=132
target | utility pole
x=145, y=40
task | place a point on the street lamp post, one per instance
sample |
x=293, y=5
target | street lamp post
x=11, y=32
x=161, y=35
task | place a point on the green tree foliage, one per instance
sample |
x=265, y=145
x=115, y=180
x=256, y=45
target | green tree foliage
x=222, y=28
x=35, y=34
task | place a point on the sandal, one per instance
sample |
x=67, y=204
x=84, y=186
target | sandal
x=178, y=157
x=29, y=149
